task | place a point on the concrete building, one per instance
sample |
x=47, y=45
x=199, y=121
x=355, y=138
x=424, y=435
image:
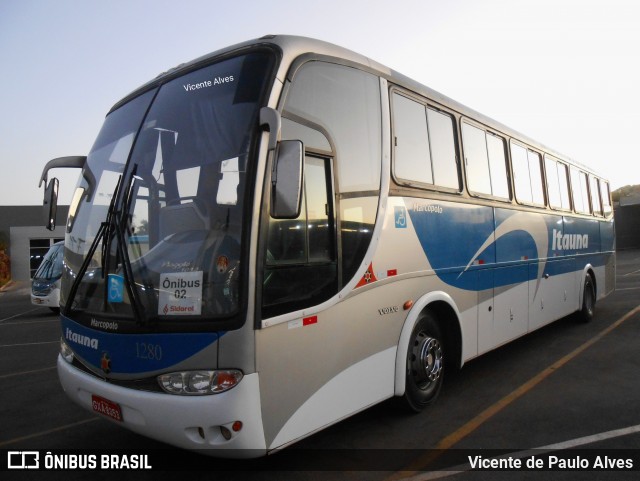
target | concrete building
x=627, y=213
x=25, y=239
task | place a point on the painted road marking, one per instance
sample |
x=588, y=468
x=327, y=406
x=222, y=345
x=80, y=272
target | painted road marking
x=452, y=439
x=21, y=314
x=631, y=273
x=24, y=323
x=13, y=374
x=44, y=433
x=29, y=344
x=573, y=443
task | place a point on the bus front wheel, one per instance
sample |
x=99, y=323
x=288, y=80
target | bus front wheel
x=425, y=364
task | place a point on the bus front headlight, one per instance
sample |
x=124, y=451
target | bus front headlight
x=65, y=351
x=194, y=383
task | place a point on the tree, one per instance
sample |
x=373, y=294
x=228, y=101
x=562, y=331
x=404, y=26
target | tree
x=625, y=191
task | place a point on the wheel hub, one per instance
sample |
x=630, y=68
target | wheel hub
x=427, y=361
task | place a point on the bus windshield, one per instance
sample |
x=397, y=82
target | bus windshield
x=51, y=266
x=159, y=206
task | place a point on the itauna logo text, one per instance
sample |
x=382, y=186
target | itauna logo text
x=562, y=242
x=87, y=341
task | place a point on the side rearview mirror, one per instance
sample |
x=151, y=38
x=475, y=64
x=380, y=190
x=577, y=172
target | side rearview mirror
x=50, y=204
x=286, y=180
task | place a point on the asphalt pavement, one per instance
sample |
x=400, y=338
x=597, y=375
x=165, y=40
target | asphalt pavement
x=564, y=388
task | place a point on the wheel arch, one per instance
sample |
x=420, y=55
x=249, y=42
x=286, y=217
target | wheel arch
x=448, y=318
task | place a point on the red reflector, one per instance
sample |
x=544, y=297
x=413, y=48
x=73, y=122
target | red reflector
x=309, y=320
x=225, y=379
x=237, y=426
x=408, y=305
x=392, y=272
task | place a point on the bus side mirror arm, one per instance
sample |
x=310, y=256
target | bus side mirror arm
x=271, y=121
x=50, y=201
x=76, y=161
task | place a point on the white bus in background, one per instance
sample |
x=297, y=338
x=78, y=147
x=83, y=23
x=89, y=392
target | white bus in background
x=45, y=285
x=320, y=234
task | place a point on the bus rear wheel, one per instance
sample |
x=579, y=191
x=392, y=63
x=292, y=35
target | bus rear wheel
x=425, y=364
x=585, y=314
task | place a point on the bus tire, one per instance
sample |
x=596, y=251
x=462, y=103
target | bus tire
x=585, y=314
x=425, y=364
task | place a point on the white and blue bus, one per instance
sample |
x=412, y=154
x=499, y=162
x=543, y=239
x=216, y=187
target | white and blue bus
x=45, y=285
x=280, y=234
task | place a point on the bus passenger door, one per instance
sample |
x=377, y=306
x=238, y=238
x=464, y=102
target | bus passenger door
x=301, y=262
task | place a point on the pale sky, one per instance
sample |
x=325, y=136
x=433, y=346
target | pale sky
x=564, y=72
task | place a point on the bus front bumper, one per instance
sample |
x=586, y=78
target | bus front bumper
x=190, y=422
x=50, y=300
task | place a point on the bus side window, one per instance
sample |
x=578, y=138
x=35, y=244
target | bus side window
x=521, y=176
x=527, y=175
x=498, y=166
x=535, y=170
x=424, y=145
x=443, y=149
x=579, y=191
x=606, y=198
x=596, y=205
x=474, y=143
x=563, y=179
x=557, y=183
x=485, y=161
x=412, y=160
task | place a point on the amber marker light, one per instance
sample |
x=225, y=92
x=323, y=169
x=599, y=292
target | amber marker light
x=407, y=305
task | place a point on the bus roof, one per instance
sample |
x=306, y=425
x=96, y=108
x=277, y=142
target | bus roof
x=292, y=47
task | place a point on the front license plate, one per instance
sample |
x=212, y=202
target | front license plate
x=106, y=407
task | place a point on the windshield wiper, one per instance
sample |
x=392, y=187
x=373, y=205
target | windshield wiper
x=121, y=224
x=115, y=219
x=83, y=268
x=132, y=288
x=105, y=234
x=100, y=236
